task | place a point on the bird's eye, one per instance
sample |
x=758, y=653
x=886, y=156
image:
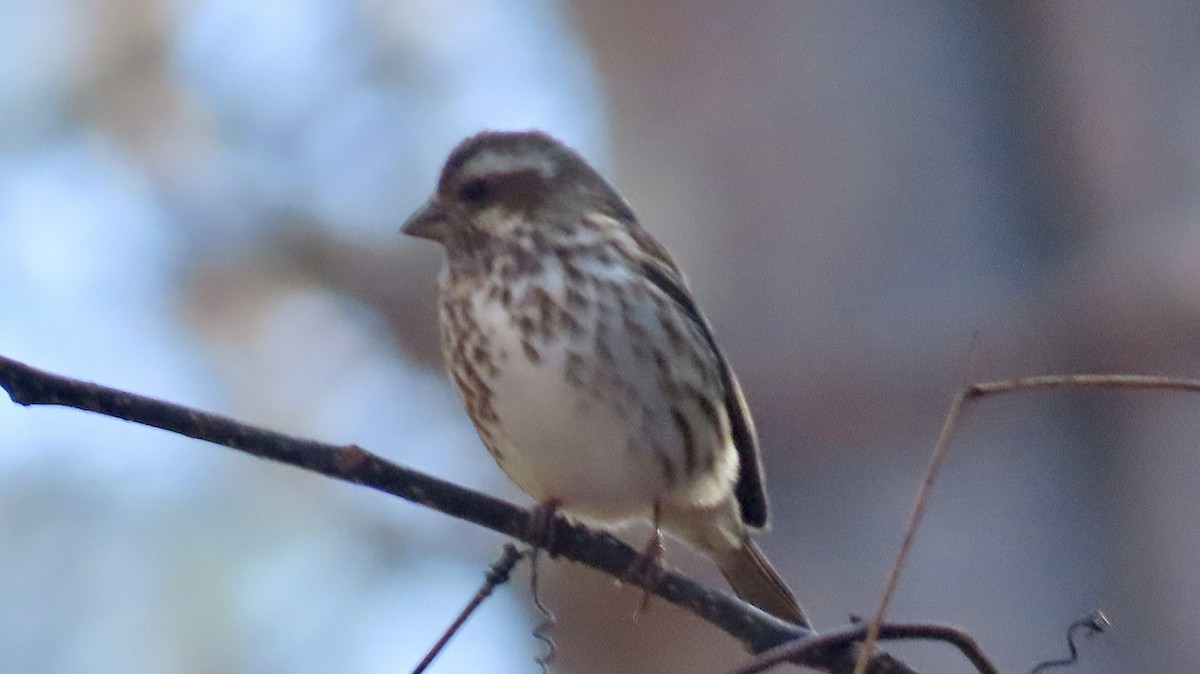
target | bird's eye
x=475, y=191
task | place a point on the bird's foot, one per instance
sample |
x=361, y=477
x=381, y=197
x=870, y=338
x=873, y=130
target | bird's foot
x=646, y=570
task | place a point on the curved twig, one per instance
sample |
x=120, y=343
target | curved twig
x=542, y=631
x=1093, y=623
x=847, y=636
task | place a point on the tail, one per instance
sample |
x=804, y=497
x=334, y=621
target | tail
x=755, y=580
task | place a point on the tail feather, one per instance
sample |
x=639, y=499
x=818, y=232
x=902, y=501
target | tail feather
x=755, y=580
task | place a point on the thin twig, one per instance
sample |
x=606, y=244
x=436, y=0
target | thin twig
x=497, y=574
x=910, y=531
x=887, y=632
x=1060, y=381
x=975, y=392
x=599, y=550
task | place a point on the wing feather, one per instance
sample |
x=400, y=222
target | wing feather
x=750, y=490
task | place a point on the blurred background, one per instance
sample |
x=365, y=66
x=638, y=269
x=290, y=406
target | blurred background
x=200, y=201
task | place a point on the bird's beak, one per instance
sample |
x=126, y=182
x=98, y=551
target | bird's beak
x=429, y=222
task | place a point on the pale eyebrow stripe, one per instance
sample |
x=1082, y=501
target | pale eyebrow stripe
x=498, y=162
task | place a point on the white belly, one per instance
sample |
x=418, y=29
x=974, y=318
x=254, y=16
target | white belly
x=560, y=442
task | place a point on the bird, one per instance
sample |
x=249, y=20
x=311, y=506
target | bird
x=581, y=355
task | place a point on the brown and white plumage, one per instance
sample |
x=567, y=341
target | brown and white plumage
x=581, y=356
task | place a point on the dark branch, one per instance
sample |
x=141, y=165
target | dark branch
x=601, y=551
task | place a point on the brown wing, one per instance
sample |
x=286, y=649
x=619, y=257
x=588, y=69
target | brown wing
x=750, y=492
